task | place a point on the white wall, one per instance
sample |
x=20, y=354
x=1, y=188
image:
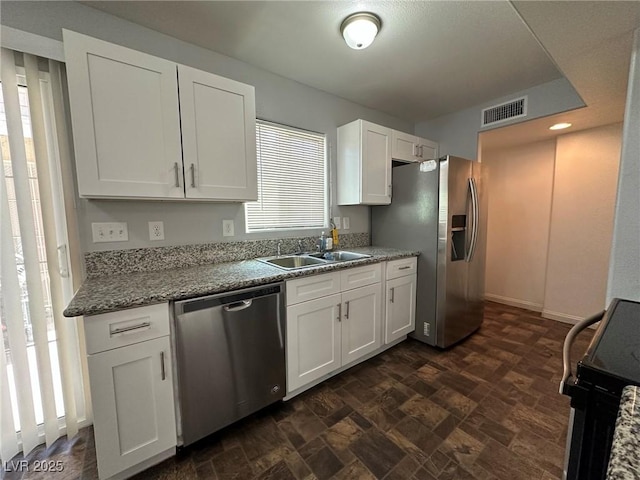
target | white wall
x=520, y=186
x=624, y=272
x=277, y=99
x=551, y=210
x=584, y=193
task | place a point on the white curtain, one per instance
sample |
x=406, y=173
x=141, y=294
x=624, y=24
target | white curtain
x=41, y=384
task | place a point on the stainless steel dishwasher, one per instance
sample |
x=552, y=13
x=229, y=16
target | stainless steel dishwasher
x=230, y=357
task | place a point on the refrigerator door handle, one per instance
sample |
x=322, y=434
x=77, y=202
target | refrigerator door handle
x=475, y=214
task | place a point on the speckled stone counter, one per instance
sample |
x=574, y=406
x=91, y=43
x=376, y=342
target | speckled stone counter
x=117, y=292
x=624, y=462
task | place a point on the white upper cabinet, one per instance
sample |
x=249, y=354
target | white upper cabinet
x=129, y=121
x=218, y=136
x=126, y=125
x=409, y=148
x=364, y=164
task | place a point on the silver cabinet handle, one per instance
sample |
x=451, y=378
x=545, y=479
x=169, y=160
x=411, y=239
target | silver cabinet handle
x=346, y=315
x=236, y=307
x=405, y=267
x=415, y=150
x=164, y=372
x=140, y=326
x=339, y=312
x=193, y=176
x=421, y=151
x=392, y=293
x=175, y=169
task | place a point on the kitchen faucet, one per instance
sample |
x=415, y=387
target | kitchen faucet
x=279, y=247
x=300, y=247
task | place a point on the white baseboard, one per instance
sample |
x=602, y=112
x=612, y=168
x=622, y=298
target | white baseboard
x=561, y=317
x=513, y=302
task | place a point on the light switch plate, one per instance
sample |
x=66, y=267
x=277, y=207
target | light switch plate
x=346, y=224
x=156, y=231
x=228, y=228
x=109, y=232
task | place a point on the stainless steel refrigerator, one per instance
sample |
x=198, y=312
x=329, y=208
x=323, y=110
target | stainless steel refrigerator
x=441, y=214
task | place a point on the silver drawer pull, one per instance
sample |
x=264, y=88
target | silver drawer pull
x=164, y=373
x=405, y=267
x=339, y=312
x=132, y=328
x=392, y=293
x=346, y=315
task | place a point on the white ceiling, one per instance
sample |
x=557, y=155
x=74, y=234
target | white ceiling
x=430, y=57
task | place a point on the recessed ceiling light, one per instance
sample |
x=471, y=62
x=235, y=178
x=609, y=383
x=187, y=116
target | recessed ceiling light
x=360, y=29
x=559, y=126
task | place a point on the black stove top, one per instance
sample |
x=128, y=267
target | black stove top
x=613, y=357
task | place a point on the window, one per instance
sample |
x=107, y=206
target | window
x=40, y=373
x=292, y=180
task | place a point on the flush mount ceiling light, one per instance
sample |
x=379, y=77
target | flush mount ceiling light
x=360, y=29
x=559, y=126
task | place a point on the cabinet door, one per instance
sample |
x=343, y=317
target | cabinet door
x=427, y=150
x=219, y=136
x=313, y=340
x=126, y=126
x=133, y=410
x=400, y=314
x=404, y=147
x=361, y=322
x=376, y=164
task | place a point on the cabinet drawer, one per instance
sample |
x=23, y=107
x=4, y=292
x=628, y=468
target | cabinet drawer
x=361, y=276
x=310, y=288
x=117, y=329
x=402, y=267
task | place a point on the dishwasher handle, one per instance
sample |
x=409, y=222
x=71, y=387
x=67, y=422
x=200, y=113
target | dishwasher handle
x=230, y=301
x=237, y=306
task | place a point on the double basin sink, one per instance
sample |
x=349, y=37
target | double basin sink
x=303, y=260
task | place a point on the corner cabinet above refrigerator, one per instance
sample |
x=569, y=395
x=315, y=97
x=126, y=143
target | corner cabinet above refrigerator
x=138, y=135
x=439, y=213
x=366, y=152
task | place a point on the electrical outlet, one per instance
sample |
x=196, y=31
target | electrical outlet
x=109, y=232
x=156, y=231
x=227, y=228
x=346, y=225
x=336, y=220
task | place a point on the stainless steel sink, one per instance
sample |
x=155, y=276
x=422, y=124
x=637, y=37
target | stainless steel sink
x=293, y=262
x=344, y=256
x=290, y=262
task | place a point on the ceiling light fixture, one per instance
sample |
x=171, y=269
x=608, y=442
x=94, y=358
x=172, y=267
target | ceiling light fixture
x=360, y=29
x=559, y=126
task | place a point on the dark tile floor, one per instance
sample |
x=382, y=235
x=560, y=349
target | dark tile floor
x=486, y=409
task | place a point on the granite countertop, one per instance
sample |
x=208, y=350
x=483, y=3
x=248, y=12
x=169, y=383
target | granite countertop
x=117, y=292
x=624, y=462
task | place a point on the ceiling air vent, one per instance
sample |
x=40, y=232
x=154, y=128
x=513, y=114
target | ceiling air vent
x=504, y=111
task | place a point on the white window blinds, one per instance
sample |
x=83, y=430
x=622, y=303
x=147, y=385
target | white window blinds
x=292, y=188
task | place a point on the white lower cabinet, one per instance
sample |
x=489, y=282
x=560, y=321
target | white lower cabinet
x=131, y=391
x=361, y=322
x=313, y=340
x=400, y=298
x=400, y=314
x=329, y=332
